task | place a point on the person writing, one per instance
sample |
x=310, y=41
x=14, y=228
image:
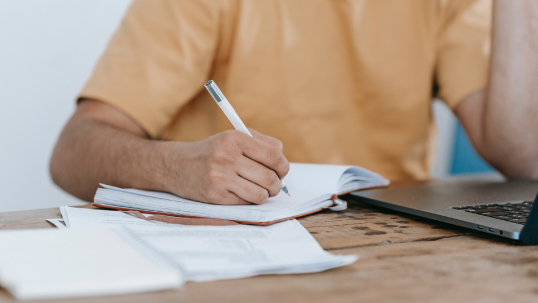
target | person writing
x=340, y=82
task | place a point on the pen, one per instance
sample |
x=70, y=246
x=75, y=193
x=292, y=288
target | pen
x=230, y=113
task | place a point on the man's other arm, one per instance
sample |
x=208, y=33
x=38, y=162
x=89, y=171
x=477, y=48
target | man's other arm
x=101, y=144
x=502, y=120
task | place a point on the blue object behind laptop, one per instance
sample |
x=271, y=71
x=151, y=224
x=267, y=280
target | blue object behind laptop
x=465, y=160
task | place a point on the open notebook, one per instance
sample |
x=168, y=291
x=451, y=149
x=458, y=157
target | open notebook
x=313, y=187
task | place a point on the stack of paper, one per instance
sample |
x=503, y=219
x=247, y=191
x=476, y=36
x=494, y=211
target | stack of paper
x=207, y=253
x=101, y=252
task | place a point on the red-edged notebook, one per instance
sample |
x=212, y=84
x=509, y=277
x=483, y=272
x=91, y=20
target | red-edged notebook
x=313, y=187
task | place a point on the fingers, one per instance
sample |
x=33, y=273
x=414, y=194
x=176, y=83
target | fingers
x=248, y=191
x=260, y=175
x=259, y=150
x=267, y=151
x=219, y=194
x=268, y=155
x=230, y=198
x=236, y=168
x=235, y=190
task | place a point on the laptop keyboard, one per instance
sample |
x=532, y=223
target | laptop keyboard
x=516, y=212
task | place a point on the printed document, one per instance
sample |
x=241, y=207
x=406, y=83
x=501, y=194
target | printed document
x=206, y=253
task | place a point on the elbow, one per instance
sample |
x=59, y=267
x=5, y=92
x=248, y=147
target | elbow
x=528, y=171
x=62, y=174
x=56, y=169
x=513, y=164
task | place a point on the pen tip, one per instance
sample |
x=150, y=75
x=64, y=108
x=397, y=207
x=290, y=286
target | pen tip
x=285, y=189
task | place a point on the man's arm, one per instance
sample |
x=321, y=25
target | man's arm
x=101, y=144
x=502, y=121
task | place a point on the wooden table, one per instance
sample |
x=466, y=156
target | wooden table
x=403, y=259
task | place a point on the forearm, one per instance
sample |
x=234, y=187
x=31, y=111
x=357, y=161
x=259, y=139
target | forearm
x=510, y=112
x=101, y=144
x=90, y=152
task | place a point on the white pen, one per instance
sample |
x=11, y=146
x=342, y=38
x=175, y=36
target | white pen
x=230, y=113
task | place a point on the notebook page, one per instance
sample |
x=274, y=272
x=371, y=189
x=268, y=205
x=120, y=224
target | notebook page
x=280, y=201
x=42, y=264
x=314, y=178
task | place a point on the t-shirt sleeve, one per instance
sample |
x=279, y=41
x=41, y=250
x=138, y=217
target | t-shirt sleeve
x=463, y=49
x=157, y=61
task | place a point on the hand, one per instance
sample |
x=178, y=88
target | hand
x=228, y=168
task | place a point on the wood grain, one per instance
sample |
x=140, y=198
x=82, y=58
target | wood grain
x=403, y=259
x=361, y=225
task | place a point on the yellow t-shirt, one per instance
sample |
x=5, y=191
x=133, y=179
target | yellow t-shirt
x=341, y=82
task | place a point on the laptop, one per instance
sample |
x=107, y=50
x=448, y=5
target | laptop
x=505, y=209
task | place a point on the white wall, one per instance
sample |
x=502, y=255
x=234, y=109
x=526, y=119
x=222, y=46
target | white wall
x=47, y=51
x=445, y=122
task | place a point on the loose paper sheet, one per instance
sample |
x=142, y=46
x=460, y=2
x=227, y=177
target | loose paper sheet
x=208, y=253
x=82, y=217
x=60, y=223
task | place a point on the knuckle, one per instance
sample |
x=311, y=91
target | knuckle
x=231, y=136
x=286, y=167
x=214, y=156
x=259, y=196
x=274, y=157
x=279, y=145
x=214, y=177
x=278, y=162
x=282, y=167
x=221, y=156
x=270, y=178
x=227, y=134
x=274, y=189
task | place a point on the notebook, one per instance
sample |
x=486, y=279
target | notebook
x=97, y=261
x=313, y=187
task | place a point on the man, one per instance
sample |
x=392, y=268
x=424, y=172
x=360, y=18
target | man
x=346, y=82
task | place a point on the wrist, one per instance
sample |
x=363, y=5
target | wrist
x=169, y=157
